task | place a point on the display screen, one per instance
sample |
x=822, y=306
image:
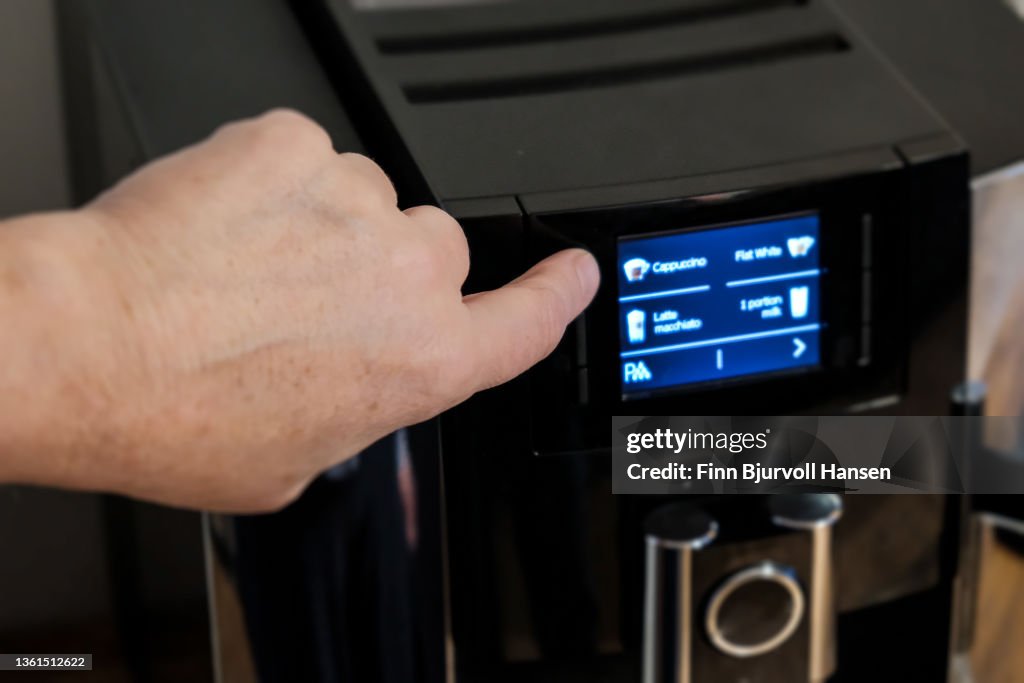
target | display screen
x=721, y=302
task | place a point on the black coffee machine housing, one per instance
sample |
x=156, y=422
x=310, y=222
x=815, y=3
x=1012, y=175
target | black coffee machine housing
x=547, y=125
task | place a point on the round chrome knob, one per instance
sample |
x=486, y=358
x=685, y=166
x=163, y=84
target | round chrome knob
x=755, y=610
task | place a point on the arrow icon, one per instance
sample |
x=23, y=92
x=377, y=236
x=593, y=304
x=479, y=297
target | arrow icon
x=800, y=347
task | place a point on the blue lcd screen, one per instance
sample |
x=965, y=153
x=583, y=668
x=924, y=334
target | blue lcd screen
x=718, y=303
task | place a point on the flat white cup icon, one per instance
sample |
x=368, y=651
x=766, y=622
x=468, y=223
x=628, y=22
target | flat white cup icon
x=800, y=246
x=798, y=300
x=635, y=320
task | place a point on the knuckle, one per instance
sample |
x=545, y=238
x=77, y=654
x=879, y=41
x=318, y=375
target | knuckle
x=421, y=263
x=375, y=181
x=356, y=158
x=283, y=130
x=449, y=225
x=359, y=194
x=449, y=238
x=432, y=214
x=287, y=119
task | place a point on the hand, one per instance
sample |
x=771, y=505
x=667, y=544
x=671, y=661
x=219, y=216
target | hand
x=230, y=321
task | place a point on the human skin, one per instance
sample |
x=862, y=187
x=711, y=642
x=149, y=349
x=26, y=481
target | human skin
x=232, y=320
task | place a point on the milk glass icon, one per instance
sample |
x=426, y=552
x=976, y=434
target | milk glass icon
x=635, y=324
x=798, y=301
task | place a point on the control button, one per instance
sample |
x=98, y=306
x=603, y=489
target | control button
x=800, y=347
x=583, y=385
x=865, y=297
x=581, y=340
x=867, y=227
x=865, y=346
x=755, y=610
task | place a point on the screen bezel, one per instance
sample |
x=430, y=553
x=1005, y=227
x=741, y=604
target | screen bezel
x=843, y=379
x=700, y=385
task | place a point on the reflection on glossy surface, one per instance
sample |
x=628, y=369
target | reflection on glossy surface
x=328, y=589
x=547, y=572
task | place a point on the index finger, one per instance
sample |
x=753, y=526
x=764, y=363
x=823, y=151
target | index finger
x=520, y=324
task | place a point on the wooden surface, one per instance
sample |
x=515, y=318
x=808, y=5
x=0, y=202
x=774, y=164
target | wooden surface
x=998, y=652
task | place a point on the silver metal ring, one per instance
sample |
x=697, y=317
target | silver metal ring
x=766, y=571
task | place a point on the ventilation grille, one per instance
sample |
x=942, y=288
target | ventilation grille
x=453, y=90
x=487, y=55
x=587, y=28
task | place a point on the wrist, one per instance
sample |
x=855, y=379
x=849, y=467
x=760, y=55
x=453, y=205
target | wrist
x=55, y=402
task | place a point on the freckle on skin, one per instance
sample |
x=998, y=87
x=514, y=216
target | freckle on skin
x=126, y=307
x=11, y=280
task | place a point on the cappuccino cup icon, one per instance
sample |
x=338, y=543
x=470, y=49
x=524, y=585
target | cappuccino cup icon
x=636, y=269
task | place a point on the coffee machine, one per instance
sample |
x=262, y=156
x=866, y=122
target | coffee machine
x=759, y=153
x=773, y=150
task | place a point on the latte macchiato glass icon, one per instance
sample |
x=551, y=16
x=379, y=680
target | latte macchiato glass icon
x=798, y=301
x=636, y=269
x=636, y=325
